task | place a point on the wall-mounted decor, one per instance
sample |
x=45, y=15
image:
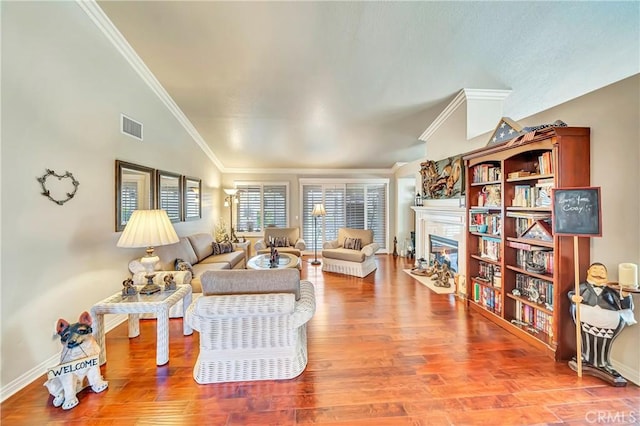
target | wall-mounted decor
x=72, y=185
x=192, y=192
x=135, y=189
x=170, y=194
x=505, y=130
x=442, y=179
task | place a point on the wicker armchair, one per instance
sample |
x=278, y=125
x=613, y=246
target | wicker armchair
x=252, y=325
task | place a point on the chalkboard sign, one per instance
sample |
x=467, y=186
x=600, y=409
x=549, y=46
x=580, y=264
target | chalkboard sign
x=576, y=211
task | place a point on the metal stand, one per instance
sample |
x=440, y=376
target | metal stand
x=315, y=242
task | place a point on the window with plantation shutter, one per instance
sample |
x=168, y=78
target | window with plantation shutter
x=261, y=205
x=359, y=204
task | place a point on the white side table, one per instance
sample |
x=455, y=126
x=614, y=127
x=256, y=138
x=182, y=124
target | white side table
x=157, y=303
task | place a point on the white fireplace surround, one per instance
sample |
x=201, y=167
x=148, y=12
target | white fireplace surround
x=444, y=218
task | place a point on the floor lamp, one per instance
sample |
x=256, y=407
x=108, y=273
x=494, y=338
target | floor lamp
x=229, y=201
x=318, y=210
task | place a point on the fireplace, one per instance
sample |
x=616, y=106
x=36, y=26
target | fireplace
x=439, y=225
x=443, y=250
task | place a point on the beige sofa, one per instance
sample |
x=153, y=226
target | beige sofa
x=197, y=249
x=295, y=245
x=360, y=263
x=252, y=325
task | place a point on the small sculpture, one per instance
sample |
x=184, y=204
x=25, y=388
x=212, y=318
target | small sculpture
x=128, y=288
x=604, y=312
x=169, y=283
x=78, y=345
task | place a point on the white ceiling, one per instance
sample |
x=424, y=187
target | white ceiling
x=352, y=85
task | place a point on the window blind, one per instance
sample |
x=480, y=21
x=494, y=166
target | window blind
x=261, y=205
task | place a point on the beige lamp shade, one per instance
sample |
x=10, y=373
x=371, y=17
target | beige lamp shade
x=318, y=210
x=148, y=228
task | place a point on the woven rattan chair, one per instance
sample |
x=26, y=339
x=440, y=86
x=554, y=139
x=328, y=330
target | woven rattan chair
x=260, y=333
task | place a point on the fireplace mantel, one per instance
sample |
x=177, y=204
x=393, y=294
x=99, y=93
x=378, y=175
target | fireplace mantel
x=443, y=220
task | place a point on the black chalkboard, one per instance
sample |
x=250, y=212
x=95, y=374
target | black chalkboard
x=576, y=211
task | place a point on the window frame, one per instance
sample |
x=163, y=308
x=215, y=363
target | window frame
x=262, y=184
x=323, y=183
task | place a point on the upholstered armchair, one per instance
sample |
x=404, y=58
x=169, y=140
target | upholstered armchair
x=286, y=240
x=353, y=253
x=252, y=325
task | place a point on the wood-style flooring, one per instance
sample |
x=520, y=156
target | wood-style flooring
x=383, y=350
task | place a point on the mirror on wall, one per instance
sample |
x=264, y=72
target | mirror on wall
x=192, y=198
x=170, y=194
x=135, y=189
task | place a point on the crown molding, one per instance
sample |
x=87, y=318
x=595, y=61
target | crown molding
x=100, y=19
x=458, y=100
x=463, y=96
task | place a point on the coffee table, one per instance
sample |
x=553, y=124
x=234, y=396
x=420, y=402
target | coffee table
x=261, y=261
x=157, y=303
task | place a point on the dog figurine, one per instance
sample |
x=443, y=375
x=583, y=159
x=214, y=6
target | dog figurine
x=77, y=343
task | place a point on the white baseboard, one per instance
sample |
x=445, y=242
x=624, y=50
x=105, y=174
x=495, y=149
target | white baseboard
x=112, y=321
x=627, y=372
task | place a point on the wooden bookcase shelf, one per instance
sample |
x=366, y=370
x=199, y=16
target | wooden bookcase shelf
x=532, y=262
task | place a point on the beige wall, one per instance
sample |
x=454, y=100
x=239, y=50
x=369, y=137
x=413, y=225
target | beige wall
x=63, y=89
x=612, y=114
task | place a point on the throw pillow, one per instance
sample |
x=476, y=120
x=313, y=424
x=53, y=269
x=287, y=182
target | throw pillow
x=216, y=248
x=223, y=247
x=281, y=242
x=226, y=247
x=352, y=243
x=182, y=265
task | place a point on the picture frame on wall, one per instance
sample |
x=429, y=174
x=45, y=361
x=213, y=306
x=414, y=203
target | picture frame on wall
x=192, y=194
x=169, y=194
x=135, y=190
x=443, y=179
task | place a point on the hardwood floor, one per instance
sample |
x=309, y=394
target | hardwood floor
x=383, y=350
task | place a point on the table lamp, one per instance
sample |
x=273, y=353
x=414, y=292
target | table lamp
x=318, y=210
x=148, y=228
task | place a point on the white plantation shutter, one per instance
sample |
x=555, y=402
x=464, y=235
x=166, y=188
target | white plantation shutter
x=261, y=205
x=129, y=200
x=361, y=205
x=170, y=199
x=334, y=197
x=376, y=212
x=311, y=195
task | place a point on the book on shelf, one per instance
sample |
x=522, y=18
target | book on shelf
x=538, y=258
x=535, y=289
x=489, y=248
x=486, y=173
x=545, y=163
x=529, y=316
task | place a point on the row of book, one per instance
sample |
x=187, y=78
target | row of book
x=491, y=274
x=534, y=318
x=486, y=173
x=487, y=298
x=538, y=261
x=545, y=163
x=489, y=248
x=482, y=217
x=535, y=289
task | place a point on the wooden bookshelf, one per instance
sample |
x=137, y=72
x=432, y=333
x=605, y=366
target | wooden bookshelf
x=536, y=273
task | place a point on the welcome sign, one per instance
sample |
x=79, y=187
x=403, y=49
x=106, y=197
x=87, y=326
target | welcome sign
x=78, y=366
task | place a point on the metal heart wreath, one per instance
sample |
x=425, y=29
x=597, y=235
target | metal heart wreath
x=47, y=193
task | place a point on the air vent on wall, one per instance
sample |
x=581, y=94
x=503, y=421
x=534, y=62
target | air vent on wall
x=130, y=127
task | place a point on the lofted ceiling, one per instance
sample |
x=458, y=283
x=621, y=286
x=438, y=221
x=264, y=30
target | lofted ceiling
x=352, y=85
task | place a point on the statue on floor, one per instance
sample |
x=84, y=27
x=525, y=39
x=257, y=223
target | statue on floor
x=604, y=312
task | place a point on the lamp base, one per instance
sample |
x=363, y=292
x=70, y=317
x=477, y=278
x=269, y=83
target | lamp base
x=150, y=287
x=315, y=262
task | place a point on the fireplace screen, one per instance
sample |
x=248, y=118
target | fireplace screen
x=445, y=251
